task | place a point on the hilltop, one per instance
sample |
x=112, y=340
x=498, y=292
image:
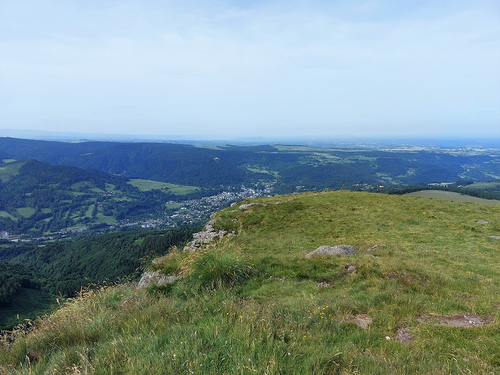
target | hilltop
x=421, y=296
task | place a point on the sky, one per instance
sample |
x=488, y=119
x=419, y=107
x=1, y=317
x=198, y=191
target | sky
x=229, y=69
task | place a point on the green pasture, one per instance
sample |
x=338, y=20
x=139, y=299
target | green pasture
x=172, y=206
x=257, y=169
x=6, y=215
x=100, y=218
x=483, y=186
x=26, y=211
x=10, y=170
x=147, y=185
x=454, y=197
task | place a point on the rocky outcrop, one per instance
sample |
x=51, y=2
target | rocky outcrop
x=346, y=250
x=200, y=239
x=149, y=278
x=207, y=235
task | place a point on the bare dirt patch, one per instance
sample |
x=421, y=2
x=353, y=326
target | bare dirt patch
x=460, y=320
x=404, y=336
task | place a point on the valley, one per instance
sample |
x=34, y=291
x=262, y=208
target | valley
x=68, y=204
x=55, y=190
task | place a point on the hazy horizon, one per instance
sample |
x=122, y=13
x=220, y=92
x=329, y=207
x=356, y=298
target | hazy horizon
x=445, y=142
x=271, y=69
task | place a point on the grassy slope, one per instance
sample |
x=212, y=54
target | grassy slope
x=455, y=197
x=437, y=259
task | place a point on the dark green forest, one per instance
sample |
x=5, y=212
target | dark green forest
x=66, y=266
x=229, y=165
x=63, y=268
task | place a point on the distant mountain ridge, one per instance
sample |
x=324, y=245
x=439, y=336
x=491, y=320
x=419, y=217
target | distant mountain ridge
x=182, y=164
x=288, y=166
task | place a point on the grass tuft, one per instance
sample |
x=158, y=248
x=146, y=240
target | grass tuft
x=215, y=267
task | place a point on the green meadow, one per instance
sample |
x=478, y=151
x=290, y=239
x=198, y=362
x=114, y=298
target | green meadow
x=9, y=169
x=455, y=197
x=26, y=211
x=147, y=185
x=422, y=296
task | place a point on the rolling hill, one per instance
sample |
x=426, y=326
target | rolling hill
x=290, y=168
x=37, y=199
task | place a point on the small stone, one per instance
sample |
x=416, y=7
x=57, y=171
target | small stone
x=374, y=247
x=387, y=338
x=351, y=268
x=346, y=250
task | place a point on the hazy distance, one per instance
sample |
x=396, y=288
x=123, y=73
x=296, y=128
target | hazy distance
x=252, y=69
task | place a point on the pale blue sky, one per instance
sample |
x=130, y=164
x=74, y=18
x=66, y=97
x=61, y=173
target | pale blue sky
x=226, y=69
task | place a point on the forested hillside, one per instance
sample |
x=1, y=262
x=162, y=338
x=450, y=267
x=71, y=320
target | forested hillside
x=288, y=166
x=98, y=185
x=65, y=267
x=37, y=198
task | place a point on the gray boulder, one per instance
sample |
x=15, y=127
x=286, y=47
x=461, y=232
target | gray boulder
x=149, y=278
x=346, y=250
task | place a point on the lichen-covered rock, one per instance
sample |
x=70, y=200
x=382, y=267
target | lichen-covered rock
x=149, y=278
x=248, y=205
x=207, y=235
x=346, y=250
